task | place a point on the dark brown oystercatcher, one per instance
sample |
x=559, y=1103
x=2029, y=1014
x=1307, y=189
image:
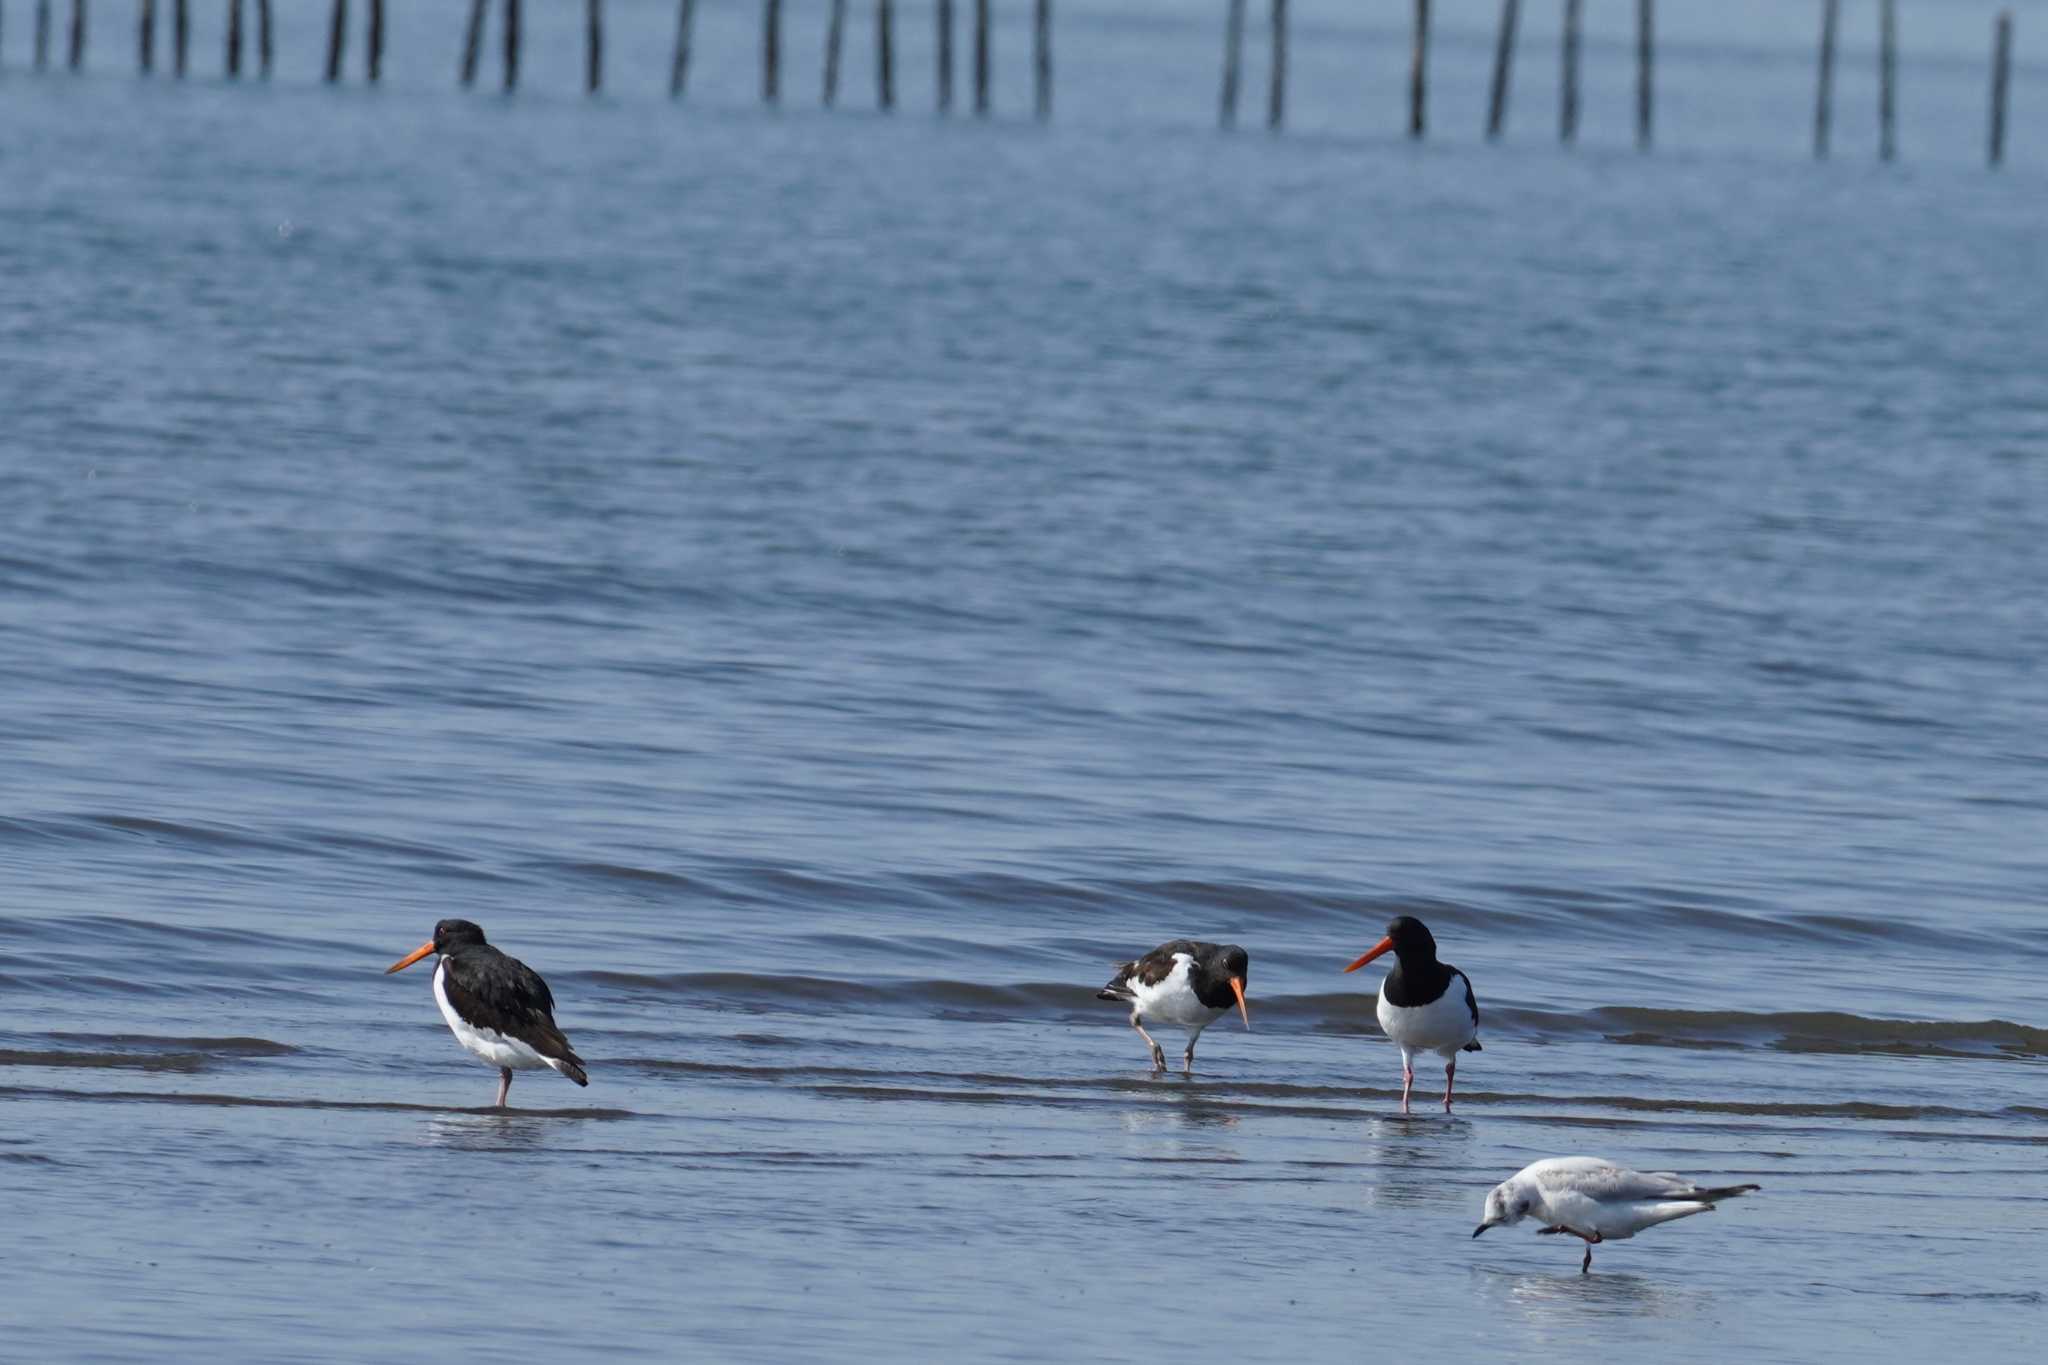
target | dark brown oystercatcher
x=1184, y=984
x=1425, y=1005
x=497, y=1006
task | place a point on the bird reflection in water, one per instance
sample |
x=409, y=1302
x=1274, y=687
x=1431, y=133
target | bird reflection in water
x=1406, y=1158
x=487, y=1132
x=1568, y=1301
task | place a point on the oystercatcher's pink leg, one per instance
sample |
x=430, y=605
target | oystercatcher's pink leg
x=1158, y=1053
x=1450, y=1074
x=504, y=1085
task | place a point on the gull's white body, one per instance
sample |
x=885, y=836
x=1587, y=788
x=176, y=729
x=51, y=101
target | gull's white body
x=1590, y=1196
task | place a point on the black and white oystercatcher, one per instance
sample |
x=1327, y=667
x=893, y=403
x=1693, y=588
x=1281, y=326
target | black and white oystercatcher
x=1184, y=984
x=497, y=1006
x=1596, y=1201
x=1425, y=1005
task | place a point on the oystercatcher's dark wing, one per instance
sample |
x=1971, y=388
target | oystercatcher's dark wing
x=501, y=993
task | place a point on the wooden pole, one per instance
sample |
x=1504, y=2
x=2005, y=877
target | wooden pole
x=2001, y=69
x=1568, y=84
x=771, y=50
x=1503, y=68
x=885, y=55
x=1418, y=71
x=181, y=32
x=472, y=41
x=78, y=20
x=1646, y=44
x=679, y=69
x=234, y=60
x=1041, y=58
x=1824, y=84
x=373, y=60
x=835, y=32
x=42, y=34
x=1276, y=82
x=512, y=36
x=1887, y=73
x=981, y=57
x=944, y=19
x=337, y=39
x=263, y=43
x=593, y=46
x=1233, y=61
x=145, y=37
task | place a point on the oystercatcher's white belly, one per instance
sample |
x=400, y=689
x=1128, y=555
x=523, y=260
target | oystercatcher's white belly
x=1173, y=1001
x=487, y=1045
x=1443, y=1025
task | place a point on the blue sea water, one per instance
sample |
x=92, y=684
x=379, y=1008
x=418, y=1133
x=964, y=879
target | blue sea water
x=822, y=588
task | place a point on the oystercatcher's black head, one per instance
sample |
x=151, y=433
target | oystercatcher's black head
x=1224, y=967
x=449, y=935
x=1408, y=938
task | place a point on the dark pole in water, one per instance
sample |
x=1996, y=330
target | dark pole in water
x=472, y=41
x=1887, y=72
x=1568, y=86
x=2001, y=66
x=1276, y=83
x=145, y=37
x=835, y=32
x=944, y=19
x=1041, y=57
x=885, y=55
x=77, y=34
x=374, y=59
x=679, y=69
x=981, y=57
x=42, y=34
x=1418, y=70
x=263, y=38
x=593, y=46
x=234, y=62
x=337, y=38
x=181, y=31
x=512, y=18
x=1503, y=68
x=1824, y=86
x=1233, y=60
x=1646, y=44
x=771, y=50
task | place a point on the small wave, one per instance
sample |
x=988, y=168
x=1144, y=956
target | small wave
x=272, y=1102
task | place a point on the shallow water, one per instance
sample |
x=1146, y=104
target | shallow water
x=822, y=589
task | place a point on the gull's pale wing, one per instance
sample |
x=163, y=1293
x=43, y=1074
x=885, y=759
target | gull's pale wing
x=1593, y=1178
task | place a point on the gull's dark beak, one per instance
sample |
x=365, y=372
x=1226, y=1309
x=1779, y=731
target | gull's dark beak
x=1481, y=1228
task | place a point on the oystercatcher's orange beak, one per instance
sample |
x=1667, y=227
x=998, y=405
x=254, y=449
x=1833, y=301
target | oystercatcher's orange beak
x=414, y=956
x=1237, y=985
x=1382, y=946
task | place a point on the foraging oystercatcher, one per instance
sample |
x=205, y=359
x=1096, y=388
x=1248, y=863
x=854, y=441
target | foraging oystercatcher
x=1184, y=984
x=497, y=1006
x=1595, y=1200
x=1425, y=1005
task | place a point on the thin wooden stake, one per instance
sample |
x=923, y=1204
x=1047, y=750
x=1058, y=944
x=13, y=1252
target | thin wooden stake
x=771, y=50
x=1418, y=71
x=1041, y=58
x=885, y=55
x=1276, y=82
x=373, y=60
x=1233, y=61
x=263, y=44
x=2001, y=71
x=1503, y=68
x=1887, y=74
x=78, y=20
x=835, y=33
x=337, y=39
x=593, y=46
x=234, y=59
x=1646, y=57
x=472, y=41
x=1824, y=83
x=42, y=34
x=181, y=32
x=512, y=37
x=1568, y=84
x=679, y=69
x=145, y=37
x=944, y=20
x=981, y=57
